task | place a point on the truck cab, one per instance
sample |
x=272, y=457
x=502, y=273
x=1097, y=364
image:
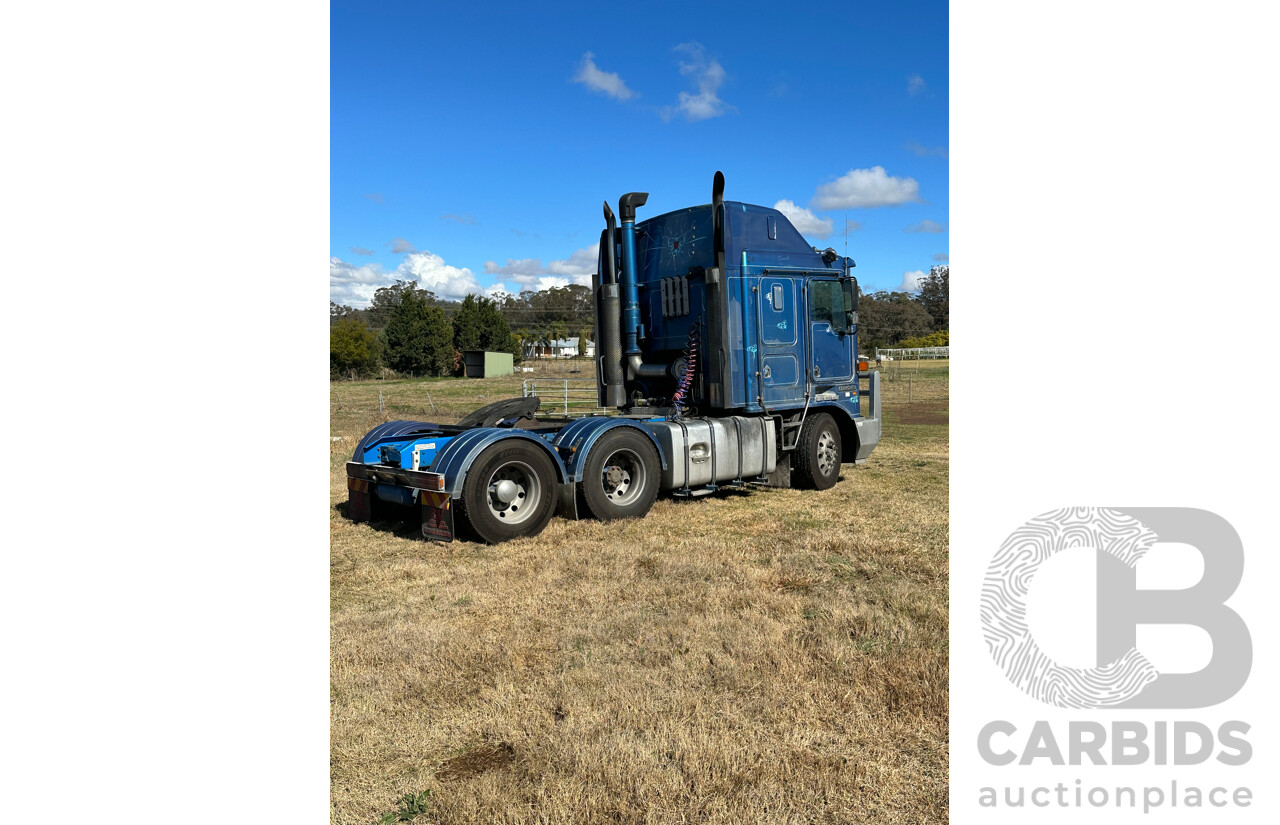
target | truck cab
x=771, y=321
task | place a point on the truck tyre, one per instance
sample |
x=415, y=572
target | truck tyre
x=621, y=477
x=818, y=454
x=509, y=492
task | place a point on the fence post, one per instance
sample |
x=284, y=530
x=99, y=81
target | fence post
x=566, y=398
x=909, y=377
x=380, y=412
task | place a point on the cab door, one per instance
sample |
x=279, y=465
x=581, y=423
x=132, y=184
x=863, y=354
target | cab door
x=781, y=350
x=830, y=339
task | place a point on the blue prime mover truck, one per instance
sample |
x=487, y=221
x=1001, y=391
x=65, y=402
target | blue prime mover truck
x=727, y=356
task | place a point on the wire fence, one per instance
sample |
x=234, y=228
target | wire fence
x=912, y=353
x=357, y=406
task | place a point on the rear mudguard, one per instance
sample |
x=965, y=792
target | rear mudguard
x=574, y=442
x=388, y=431
x=568, y=451
x=456, y=457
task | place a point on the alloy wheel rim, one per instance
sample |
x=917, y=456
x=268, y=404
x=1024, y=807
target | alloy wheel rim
x=623, y=477
x=513, y=492
x=826, y=453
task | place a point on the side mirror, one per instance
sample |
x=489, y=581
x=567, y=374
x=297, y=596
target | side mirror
x=850, y=288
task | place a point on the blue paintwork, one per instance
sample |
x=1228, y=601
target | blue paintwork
x=583, y=434
x=401, y=437
x=839, y=409
x=762, y=250
x=456, y=457
x=392, y=431
x=670, y=245
x=630, y=289
x=453, y=455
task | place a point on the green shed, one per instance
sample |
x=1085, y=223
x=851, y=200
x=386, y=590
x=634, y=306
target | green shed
x=483, y=364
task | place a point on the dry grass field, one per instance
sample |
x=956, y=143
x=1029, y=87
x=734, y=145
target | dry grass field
x=775, y=656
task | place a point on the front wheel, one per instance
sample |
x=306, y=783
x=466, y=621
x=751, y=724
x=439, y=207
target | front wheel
x=620, y=479
x=509, y=492
x=818, y=453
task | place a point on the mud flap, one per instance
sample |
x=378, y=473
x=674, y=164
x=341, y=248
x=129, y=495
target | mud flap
x=781, y=475
x=437, y=523
x=567, y=501
x=359, y=500
x=437, y=516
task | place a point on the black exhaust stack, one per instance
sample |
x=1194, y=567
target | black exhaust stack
x=609, y=317
x=717, y=217
x=717, y=345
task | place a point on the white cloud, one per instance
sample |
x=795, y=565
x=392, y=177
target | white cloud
x=865, y=188
x=915, y=85
x=911, y=281
x=596, y=80
x=529, y=273
x=926, y=225
x=581, y=264
x=709, y=75
x=400, y=246
x=851, y=225
x=432, y=273
x=466, y=218
x=354, y=285
x=805, y=222
x=942, y=257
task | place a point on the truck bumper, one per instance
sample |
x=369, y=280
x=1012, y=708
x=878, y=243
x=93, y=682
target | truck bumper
x=868, y=425
x=371, y=488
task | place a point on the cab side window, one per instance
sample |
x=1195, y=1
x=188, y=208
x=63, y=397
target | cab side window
x=826, y=302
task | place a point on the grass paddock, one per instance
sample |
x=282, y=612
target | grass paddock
x=774, y=656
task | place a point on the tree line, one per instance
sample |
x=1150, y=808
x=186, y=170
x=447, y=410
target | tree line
x=414, y=331
x=905, y=319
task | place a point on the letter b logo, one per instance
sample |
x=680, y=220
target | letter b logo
x=1124, y=678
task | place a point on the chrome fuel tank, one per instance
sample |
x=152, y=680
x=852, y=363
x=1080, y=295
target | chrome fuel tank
x=702, y=451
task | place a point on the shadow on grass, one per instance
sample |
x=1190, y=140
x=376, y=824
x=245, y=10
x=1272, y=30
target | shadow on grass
x=720, y=493
x=406, y=526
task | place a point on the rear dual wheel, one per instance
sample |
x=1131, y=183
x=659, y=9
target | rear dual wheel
x=509, y=492
x=621, y=477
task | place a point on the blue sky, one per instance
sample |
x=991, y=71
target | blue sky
x=472, y=144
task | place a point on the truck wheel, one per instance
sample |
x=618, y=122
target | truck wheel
x=509, y=492
x=817, y=456
x=621, y=476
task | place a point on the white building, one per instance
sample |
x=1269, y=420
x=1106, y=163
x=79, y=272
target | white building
x=559, y=348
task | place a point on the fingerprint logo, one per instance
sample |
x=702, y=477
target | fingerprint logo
x=1121, y=538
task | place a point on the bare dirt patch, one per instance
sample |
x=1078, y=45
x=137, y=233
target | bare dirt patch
x=922, y=412
x=477, y=761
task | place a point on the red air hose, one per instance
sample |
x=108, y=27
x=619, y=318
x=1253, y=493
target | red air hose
x=690, y=370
